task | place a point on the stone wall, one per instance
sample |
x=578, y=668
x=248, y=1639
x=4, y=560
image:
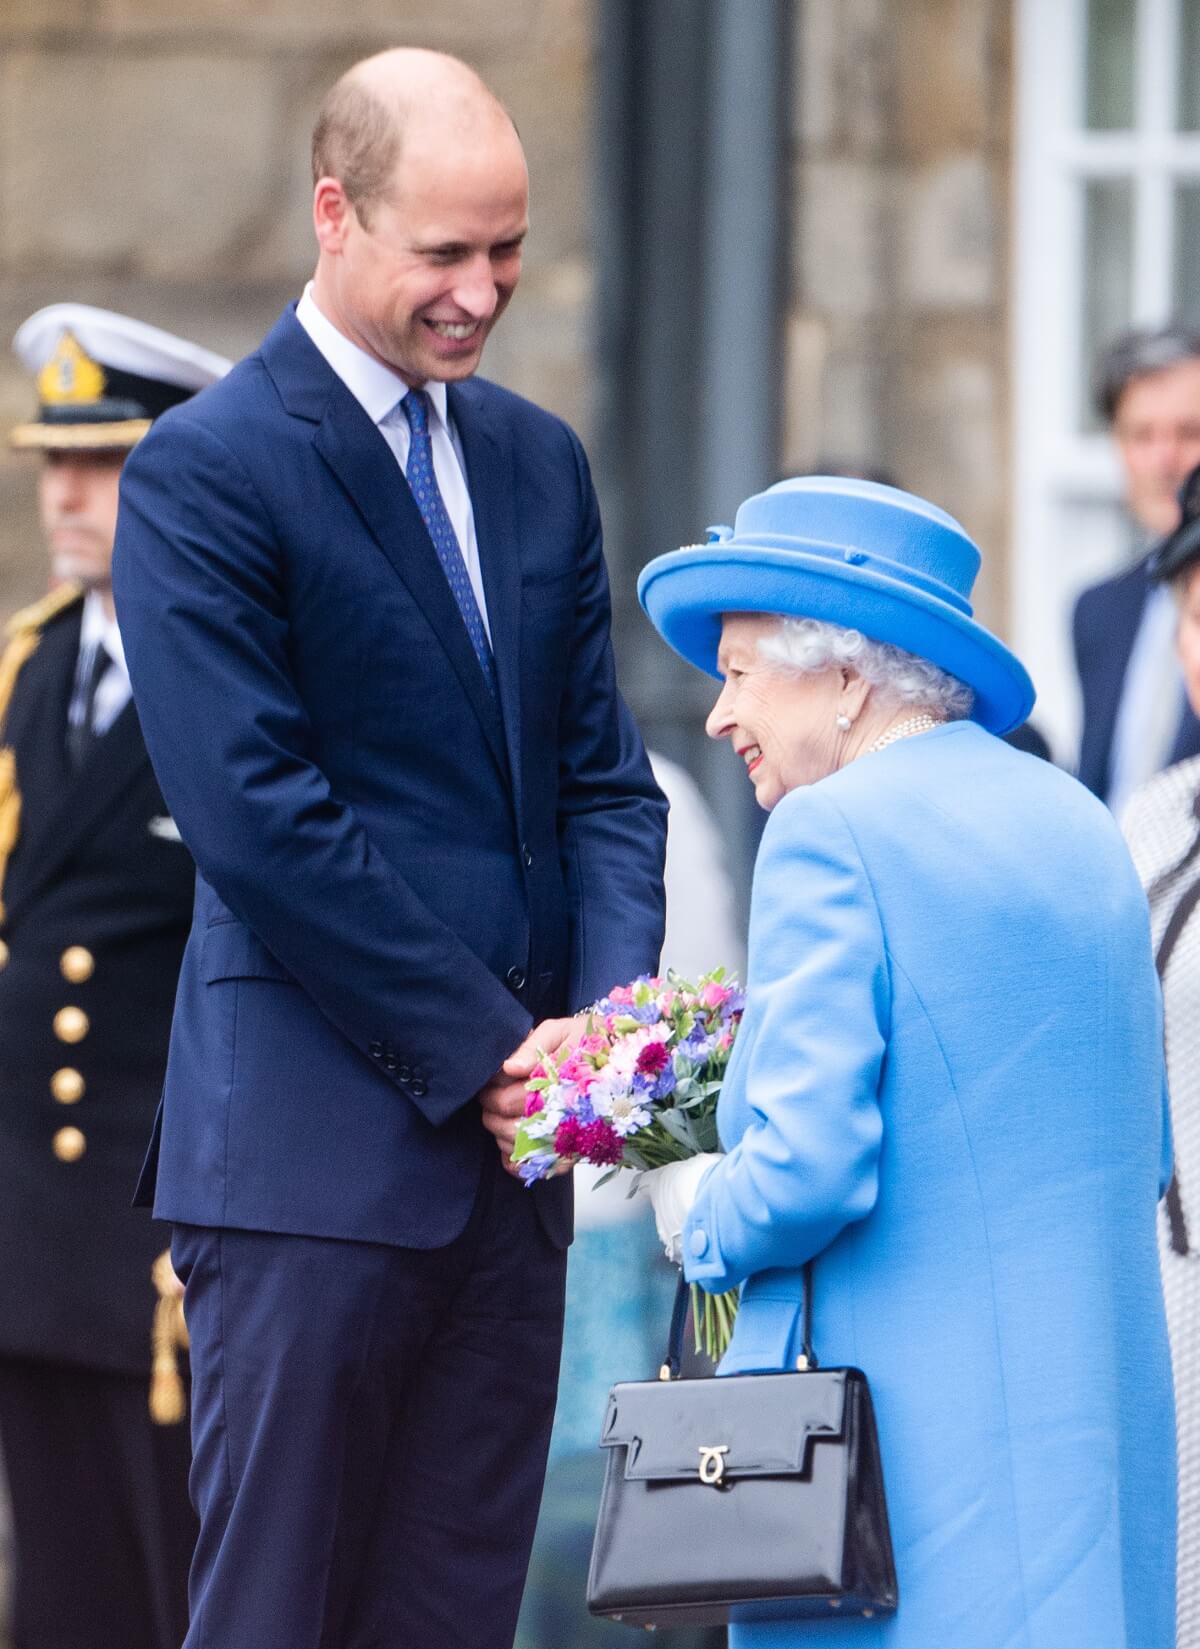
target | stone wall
x=896, y=348
x=154, y=160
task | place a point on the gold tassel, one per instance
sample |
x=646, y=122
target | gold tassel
x=168, y=1337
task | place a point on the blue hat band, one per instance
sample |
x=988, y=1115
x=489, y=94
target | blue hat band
x=881, y=565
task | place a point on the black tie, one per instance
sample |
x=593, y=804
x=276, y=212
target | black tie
x=81, y=733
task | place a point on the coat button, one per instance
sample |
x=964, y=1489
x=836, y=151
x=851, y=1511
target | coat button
x=71, y=1024
x=67, y=1086
x=418, y=1089
x=390, y=1062
x=698, y=1242
x=375, y=1049
x=77, y=964
x=404, y=1072
x=515, y=979
x=69, y=1144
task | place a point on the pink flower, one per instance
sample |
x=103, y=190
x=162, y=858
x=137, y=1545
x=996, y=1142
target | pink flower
x=537, y=1074
x=534, y=1104
x=724, y=1043
x=622, y=994
x=713, y=995
x=599, y=1143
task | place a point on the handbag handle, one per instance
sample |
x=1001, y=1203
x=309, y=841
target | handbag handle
x=674, y=1358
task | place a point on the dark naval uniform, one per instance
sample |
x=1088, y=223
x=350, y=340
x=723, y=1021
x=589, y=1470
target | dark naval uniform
x=97, y=898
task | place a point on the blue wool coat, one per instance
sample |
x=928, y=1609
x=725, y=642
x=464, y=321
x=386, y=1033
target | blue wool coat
x=948, y=1088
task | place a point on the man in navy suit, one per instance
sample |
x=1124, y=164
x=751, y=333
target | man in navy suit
x=367, y=624
x=1136, y=718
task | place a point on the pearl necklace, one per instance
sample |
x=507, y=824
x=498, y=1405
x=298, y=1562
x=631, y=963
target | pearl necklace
x=904, y=730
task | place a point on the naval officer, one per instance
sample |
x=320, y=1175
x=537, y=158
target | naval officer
x=97, y=894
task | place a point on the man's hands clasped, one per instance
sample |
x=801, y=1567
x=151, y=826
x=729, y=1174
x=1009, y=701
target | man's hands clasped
x=502, y=1098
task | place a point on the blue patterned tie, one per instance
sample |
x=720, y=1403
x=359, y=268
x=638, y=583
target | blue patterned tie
x=423, y=482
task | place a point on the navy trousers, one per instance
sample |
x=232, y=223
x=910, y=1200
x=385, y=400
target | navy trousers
x=369, y=1429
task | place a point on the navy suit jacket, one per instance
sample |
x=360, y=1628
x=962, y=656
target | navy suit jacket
x=397, y=875
x=1105, y=627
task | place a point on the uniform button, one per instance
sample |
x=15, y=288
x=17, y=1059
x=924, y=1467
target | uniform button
x=69, y=1144
x=71, y=1024
x=389, y=1062
x=3, y=954
x=418, y=1089
x=698, y=1242
x=404, y=1072
x=77, y=964
x=375, y=1049
x=515, y=979
x=526, y=857
x=67, y=1086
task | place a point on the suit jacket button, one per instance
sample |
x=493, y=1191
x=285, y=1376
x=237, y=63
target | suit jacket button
x=698, y=1242
x=375, y=1049
x=67, y=1086
x=77, y=964
x=418, y=1089
x=68, y=1144
x=71, y=1024
x=515, y=979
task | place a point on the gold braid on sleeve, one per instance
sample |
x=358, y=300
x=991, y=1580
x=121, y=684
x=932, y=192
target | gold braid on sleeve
x=24, y=631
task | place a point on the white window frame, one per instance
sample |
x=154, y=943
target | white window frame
x=1068, y=526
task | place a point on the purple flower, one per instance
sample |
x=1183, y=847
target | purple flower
x=536, y=1167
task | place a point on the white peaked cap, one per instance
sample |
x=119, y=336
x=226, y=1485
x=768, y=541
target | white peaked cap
x=119, y=342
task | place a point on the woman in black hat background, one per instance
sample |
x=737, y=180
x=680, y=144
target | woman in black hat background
x=1162, y=827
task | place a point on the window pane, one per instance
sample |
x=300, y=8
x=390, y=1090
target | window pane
x=1189, y=65
x=1107, y=273
x=1111, y=26
x=1187, y=253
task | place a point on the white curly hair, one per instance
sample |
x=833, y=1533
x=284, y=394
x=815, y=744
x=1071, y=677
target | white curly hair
x=812, y=645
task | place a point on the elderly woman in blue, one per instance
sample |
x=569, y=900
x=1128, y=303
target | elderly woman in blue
x=947, y=1090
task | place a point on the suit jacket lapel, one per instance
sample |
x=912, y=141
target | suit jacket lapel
x=487, y=451
x=360, y=458
x=114, y=763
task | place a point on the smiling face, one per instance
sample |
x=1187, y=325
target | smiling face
x=77, y=502
x=421, y=287
x=782, y=723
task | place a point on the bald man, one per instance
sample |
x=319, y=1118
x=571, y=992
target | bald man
x=367, y=624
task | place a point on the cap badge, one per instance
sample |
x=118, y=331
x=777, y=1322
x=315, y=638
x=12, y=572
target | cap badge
x=70, y=377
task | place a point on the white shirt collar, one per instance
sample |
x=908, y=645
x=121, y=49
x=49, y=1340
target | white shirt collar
x=97, y=628
x=375, y=387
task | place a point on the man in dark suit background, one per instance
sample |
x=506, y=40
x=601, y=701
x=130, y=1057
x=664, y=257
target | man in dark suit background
x=1136, y=719
x=97, y=896
x=368, y=629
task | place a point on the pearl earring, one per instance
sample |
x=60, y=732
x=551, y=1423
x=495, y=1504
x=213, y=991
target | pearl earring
x=843, y=722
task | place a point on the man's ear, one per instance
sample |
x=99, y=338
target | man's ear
x=331, y=215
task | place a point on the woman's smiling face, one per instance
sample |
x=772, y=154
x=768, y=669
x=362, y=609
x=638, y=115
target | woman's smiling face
x=781, y=722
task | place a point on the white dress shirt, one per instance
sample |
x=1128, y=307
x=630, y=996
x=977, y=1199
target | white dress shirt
x=1152, y=701
x=379, y=391
x=114, y=691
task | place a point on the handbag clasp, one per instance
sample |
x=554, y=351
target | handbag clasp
x=712, y=1463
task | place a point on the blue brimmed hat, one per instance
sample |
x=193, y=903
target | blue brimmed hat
x=854, y=553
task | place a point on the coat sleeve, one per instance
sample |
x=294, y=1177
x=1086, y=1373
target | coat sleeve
x=612, y=817
x=815, y=1031
x=200, y=590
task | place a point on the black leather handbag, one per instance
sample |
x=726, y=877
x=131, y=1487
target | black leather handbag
x=751, y=1497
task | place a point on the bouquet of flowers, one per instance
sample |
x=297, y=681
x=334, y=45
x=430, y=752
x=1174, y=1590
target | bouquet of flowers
x=637, y=1091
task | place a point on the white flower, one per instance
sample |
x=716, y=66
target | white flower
x=628, y=1114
